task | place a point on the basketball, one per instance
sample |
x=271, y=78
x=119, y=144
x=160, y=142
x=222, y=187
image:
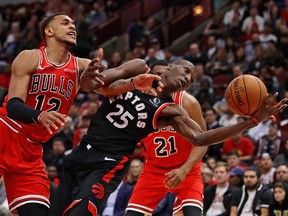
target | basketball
x=245, y=94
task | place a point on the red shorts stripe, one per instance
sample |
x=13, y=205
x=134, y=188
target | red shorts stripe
x=111, y=174
x=139, y=208
x=28, y=199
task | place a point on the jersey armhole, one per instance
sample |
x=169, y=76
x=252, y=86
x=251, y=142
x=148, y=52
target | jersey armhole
x=158, y=111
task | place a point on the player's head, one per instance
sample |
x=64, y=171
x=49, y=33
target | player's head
x=179, y=75
x=60, y=27
x=159, y=66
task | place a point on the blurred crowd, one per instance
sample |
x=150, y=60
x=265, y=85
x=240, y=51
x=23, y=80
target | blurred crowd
x=251, y=37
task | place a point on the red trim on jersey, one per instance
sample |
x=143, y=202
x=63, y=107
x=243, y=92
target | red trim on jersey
x=74, y=203
x=52, y=64
x=16, y=203
x=111, y=174
x=158, y=112
x=178, y=98
x=139, y=208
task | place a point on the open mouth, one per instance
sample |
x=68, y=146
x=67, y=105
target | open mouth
x=73, y=34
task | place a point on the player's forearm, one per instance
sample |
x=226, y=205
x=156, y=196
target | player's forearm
x=125, y=71
x=195, y=156
x=221, y=134
x=192, y=131
x=118, y=87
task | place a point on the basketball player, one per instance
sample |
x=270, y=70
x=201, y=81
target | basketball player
x=42, y=88
x=95, y=168
x=170, y=159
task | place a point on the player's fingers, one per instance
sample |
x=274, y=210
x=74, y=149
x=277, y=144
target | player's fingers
x=156, y=77
x=53, y=125
x=153, y=92
x=93, y=62
x=59, y=116
x=159, y=89
x=273, y=118
x=100, y=53
x=48, y=128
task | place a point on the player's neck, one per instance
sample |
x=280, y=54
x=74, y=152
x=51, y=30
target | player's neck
x=57, y=54
x=164, y=94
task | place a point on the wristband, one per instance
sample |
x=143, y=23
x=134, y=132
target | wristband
x=133, y=86
x=254, y=120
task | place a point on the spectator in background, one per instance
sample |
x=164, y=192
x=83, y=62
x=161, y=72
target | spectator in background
x=259, y=131
x=267, y=171
x=269, y=143
x=116, y=60
x=194, y=55
x=236, y=177
x=282, y=173
x=253, y=23
x=282, y=158
x=233, y=161
x=210, y=116
x=66, y=133
x=150, y=57
x=126, y=189
x=56, y=156
x=155, y=44
x=211, y=162
x=215, y=26
x=97, y=15
x=217, y=198
x=240, y=144
x=195, y=88
x=228, y=117
x=253, y=198
x=135, y=32
x=170, y=56
x=207, y=176
x=279, y=203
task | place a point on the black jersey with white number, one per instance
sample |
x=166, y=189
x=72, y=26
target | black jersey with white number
x=122, y=121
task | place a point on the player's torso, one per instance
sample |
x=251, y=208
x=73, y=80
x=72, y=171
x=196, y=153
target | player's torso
x=165, y=148
x=51, y=88
x=122, y=121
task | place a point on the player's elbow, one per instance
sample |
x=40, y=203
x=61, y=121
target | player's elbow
x=199, y=140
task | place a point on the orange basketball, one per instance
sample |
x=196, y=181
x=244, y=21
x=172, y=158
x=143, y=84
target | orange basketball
x=245, y=94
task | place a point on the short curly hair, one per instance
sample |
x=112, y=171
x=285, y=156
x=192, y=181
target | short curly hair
x=45, y=22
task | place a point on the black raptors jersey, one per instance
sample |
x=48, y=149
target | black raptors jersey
x=122, y=121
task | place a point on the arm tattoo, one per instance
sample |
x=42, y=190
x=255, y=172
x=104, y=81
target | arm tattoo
x=117, y=83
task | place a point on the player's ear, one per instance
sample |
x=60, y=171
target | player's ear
x=49, y=31
x=170, y=66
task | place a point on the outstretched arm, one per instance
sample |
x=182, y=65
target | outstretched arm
x=177, y=117
x=129, y=76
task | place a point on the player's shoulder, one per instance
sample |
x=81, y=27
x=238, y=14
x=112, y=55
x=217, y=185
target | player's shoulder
x=83, y=63
x=189, y=99
x=27, y=59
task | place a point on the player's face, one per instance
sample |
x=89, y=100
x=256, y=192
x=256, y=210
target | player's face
x=181, y=76
x=64, y=29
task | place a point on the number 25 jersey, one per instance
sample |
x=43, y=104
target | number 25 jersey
x=122, y=121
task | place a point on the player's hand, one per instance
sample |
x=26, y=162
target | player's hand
x=269, y=108
x=51, y=119
x=94, y=69
x=146, y=83
x=174, y=177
